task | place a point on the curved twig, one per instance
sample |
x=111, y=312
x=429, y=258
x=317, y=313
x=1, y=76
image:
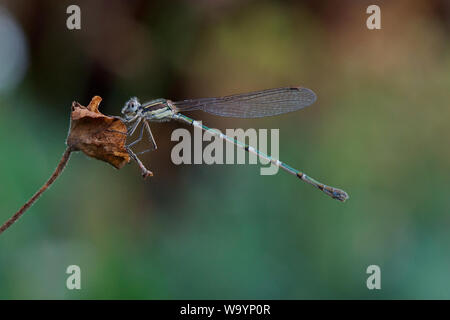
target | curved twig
x=62, y=164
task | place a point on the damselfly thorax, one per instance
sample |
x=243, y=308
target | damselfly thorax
x=248, y=105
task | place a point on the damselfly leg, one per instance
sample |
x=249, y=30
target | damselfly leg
x=133, y=128
x=145, y=126
x=145, y=172
x=151, y=138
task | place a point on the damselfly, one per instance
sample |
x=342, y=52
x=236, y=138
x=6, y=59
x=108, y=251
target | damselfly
x=248, y=105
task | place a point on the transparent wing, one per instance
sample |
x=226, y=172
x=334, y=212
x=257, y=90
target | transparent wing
x=258, y=104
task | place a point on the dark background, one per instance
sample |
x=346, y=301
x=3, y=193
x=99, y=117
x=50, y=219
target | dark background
x=379, y=130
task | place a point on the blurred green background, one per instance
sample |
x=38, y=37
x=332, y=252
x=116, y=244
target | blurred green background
x=379, y=130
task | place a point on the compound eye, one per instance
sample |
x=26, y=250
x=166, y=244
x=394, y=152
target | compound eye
x=131, y=105
x=134, y=104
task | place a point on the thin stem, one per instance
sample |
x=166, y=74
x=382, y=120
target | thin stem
x=62, y=164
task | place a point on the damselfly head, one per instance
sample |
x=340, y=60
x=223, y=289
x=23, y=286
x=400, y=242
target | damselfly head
x=131, y=106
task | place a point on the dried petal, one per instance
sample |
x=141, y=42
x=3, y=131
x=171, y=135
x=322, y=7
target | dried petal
x=98, y=136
